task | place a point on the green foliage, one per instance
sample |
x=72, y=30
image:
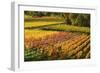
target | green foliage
x=77, y=19
x=72, y=17
x=33, y=55
x=82, y=20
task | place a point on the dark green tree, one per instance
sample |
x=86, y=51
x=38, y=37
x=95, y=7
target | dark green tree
x=66, y=18
x=72, y=17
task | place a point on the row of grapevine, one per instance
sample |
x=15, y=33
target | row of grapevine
x=58, y=46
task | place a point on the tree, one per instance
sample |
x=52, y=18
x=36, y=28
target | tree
x=77, y=19
x=66, y=18
x=83, y=20
x=72, y=17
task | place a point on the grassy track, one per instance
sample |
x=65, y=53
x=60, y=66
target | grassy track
x=69, y=28
x=33, y=24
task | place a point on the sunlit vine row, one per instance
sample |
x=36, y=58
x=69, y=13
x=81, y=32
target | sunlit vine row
x=58, y=46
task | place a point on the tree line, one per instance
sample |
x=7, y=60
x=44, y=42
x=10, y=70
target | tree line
x=76, y=19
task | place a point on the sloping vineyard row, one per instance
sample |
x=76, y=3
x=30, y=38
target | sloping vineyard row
x=59, y=46
x=49, y=40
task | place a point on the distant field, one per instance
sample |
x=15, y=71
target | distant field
x=35, y=22
x=53, y=23
x=36, y=33
x=51, y=18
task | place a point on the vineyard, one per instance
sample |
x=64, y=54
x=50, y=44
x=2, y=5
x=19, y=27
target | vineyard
x=58, y=45
x=49, y=38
